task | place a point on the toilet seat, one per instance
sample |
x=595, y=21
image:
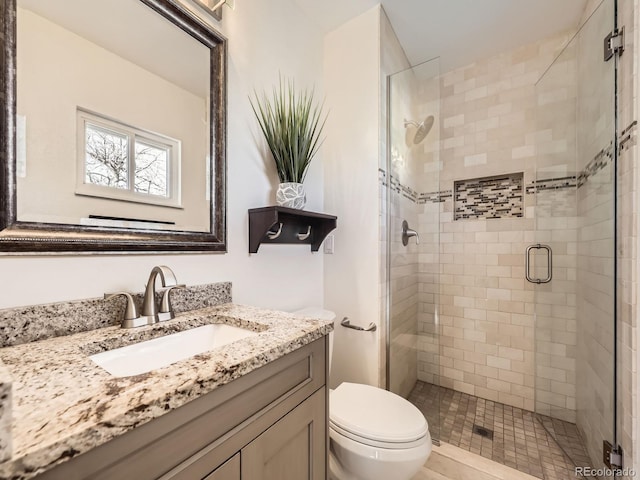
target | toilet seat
x=376, y=417
x=335, y=431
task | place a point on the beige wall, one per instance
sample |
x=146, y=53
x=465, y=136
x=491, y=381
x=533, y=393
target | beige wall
x=358, y=57
x=351, y=283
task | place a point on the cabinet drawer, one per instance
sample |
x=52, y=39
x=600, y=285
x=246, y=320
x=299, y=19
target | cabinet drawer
x=217, y=420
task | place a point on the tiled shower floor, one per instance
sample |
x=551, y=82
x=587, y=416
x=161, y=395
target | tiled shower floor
x=520, y=439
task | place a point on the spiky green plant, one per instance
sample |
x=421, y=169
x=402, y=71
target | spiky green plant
x=292, y=125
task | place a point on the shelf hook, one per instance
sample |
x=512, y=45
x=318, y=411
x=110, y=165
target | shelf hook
x=304, y=236
x=273, y=235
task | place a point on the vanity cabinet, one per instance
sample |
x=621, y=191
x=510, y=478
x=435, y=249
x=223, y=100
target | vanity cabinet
x=291, y=449
x=270, y=424
x=230, y=470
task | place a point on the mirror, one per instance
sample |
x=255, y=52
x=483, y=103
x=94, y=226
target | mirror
x=113, y=128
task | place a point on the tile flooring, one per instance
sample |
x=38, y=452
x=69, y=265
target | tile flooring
x=520, y=439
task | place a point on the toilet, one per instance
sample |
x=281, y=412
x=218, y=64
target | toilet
x=374, y=434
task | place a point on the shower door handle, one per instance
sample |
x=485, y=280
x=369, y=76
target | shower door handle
x=539, y=246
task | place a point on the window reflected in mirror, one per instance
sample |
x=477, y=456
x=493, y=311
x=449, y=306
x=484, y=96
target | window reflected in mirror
x=113, y=117
x=123, y=162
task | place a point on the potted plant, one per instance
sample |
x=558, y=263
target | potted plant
x=292, y=124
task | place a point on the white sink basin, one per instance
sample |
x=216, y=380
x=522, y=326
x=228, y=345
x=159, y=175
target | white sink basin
x=160, y=352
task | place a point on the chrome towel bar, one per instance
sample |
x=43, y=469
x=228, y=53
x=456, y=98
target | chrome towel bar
x=346, y=323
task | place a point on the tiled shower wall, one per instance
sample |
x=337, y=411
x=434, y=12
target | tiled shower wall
x=404, y=297
x=486, y=306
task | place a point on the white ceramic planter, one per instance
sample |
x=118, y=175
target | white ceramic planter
x=291, y=195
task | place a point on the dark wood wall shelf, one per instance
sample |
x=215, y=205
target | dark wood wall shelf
x=288, y=225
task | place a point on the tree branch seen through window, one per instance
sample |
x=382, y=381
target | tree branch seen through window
x=107, y=161
x=126, y=163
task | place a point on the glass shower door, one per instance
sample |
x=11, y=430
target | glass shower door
x=413, y=205
x=571, y=261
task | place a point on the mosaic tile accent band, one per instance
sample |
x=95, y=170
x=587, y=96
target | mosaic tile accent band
x=551, y=184
x=596, y=164
x=627, y=138
x=600, y=161
x=410, y=194
x=489, y=197
x=435, y=197
x=397, y=187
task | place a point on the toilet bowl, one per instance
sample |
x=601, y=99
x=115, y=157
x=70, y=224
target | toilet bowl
x=373, y=434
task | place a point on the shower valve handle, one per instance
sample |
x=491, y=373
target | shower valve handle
x=407, y=233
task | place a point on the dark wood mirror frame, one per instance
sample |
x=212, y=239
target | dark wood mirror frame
x=18, y=237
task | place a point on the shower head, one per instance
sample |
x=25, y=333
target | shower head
x=423, y=128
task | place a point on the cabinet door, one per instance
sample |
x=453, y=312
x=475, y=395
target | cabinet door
x=294, y=448
x=230, y=470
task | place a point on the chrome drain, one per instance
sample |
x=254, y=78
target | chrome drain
x=483, y=432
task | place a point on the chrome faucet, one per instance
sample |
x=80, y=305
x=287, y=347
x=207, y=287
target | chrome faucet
x=149, y=304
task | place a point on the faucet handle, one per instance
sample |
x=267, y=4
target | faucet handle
x=166, y=311
x=131, y=317
x=407, y=233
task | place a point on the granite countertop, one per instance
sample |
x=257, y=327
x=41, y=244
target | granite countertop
x=65, y=405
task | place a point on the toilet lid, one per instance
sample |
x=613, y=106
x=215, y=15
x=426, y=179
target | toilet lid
x=376, y=414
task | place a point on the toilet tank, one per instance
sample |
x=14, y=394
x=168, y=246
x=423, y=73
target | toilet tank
x=319, y=312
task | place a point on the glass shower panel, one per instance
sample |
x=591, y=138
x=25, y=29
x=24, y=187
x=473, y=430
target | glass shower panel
x=413, y=205
x=574, y=196
x=553, y=191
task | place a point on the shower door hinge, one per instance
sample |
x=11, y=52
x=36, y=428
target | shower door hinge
x=612, y=457
x=614, y=44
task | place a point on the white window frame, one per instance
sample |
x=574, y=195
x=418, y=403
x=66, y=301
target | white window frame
x=173, y=146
